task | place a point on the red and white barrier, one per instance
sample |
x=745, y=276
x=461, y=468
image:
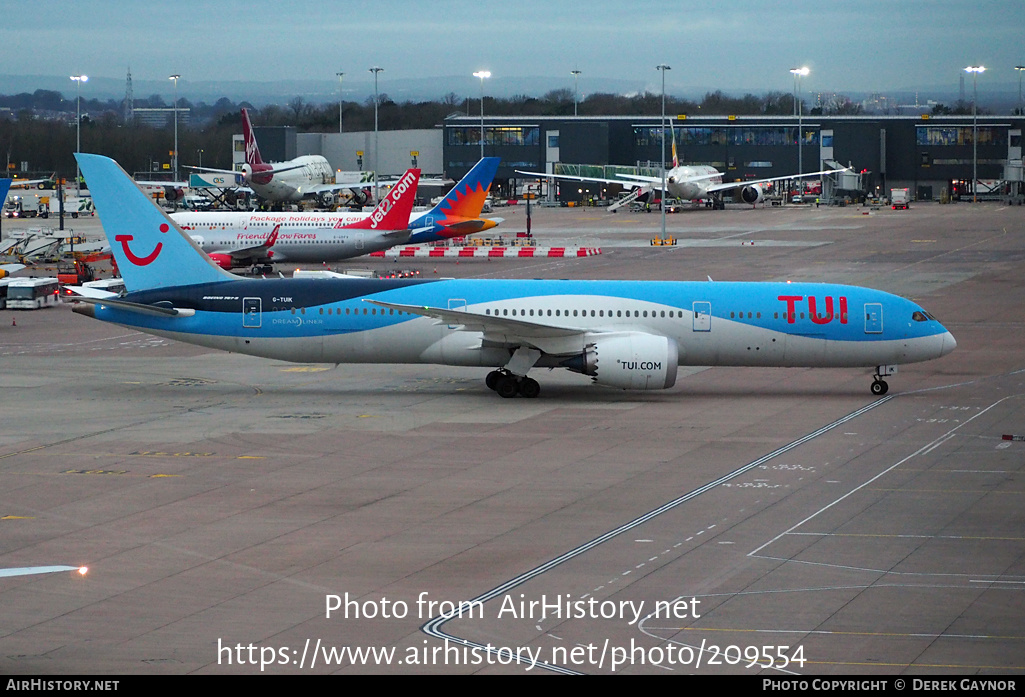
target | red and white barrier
x=484, y=252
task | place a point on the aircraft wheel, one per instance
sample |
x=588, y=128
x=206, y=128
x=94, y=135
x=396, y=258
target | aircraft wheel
x=529, y=388
x=507, y=387
x=879, y=387
x=492, y=379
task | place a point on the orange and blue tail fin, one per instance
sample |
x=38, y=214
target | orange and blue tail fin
x=464, y=202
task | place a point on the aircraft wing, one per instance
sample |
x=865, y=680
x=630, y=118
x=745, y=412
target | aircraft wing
x=658, y=180
x=176, y=185
x=503, y=330
x=733, y=185
x=571, y=177
x=25, y=183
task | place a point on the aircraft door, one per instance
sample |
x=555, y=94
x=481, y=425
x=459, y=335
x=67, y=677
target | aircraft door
x=359, y=240
x=873, y=318
x=252, y=313
x=702, y=316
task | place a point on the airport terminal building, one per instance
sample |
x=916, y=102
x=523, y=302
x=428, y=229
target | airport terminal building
x=933, y=156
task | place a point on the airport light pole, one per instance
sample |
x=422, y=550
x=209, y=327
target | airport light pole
x=174, y=162
x=975, y=70
x=79, y=79
x=576, y=89
x=375, y=70
x=798, y=73
x=663, y=68
x=340, y=75
x=1020, y=69
x=482, y=74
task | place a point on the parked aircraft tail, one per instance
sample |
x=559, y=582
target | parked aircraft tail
x=5, y=186
x=150, y=249
x=466, y=199
x=392, y=213
x=458, y=212
x=252, y=149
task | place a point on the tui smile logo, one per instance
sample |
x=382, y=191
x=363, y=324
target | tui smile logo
x=132, y=256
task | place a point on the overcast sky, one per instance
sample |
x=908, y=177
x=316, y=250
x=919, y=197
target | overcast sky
x=868, y=45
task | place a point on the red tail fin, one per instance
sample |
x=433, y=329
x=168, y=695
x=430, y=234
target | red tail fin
x=252, y=149
x=392, y=213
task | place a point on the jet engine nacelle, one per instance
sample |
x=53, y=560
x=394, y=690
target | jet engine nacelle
x=629, y=361
x=260, y=174
x=751, y=194
x=222, y=260
x=173, y=193
x=359, y=197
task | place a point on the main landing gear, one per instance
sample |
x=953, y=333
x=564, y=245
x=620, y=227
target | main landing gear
x=508, y=385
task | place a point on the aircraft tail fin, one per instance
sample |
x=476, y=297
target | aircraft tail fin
x=393, y=211
x=466, y=198
x=458, y=212
x=676, y=160
x=5, y=186
x=150, y=249
x=252, y=149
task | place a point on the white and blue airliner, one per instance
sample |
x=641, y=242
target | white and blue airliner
x=624, y=334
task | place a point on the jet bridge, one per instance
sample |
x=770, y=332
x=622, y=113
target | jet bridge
x=842, y=184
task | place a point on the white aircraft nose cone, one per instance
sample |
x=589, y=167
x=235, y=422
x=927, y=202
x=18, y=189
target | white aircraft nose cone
x=949, y=344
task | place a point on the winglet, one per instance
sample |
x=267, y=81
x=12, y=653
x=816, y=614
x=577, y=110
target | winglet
x=272, y=237
x=150, y=249
x=392, y=213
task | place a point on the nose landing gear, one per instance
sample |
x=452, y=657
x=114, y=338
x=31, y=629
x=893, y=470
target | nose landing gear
x=879, y=386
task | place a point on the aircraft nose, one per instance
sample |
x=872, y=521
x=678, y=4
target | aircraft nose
x=949, y=344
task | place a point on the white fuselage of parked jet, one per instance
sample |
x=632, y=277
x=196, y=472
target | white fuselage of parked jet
x=311, y=175
x=302, y=237
x=691, y=183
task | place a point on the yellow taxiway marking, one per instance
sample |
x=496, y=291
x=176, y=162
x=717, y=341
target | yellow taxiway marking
x=163, y=476
x=305, y=369
x=251, y=457
x=18, y=517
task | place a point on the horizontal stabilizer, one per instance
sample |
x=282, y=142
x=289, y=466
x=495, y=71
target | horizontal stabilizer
x=90, y=292
x=154, y=310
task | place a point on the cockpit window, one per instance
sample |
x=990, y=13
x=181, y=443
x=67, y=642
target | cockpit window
x=919, y=317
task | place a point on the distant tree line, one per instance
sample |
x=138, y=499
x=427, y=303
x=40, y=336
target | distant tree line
x=39, y=128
